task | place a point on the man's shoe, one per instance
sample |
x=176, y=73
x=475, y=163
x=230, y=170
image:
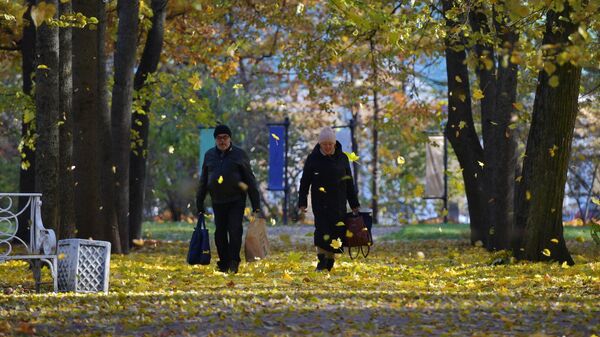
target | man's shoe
x=233, y=267
x=222, y=266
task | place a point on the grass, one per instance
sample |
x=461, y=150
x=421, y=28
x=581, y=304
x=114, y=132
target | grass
x=462, y=231
x=171, y=231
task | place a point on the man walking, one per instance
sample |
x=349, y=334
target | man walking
x=227, y=176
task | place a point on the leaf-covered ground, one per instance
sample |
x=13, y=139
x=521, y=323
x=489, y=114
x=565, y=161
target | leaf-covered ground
x=426, y=287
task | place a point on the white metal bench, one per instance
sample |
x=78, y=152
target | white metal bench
x=42, y=241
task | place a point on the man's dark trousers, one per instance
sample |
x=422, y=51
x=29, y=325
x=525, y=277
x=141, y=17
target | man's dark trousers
x=228, y=232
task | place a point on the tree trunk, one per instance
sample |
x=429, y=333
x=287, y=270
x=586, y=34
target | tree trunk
x=85, y=111
x=27, y=172
x=122, y=97
x=460, y=129
x=46, y=102
x=140, y=122
x=107, y=170
x=66, y=181
x=539, y=229
x=500, y=150
x=499, y=144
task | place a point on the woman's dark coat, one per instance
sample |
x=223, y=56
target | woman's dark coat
x=331, y=185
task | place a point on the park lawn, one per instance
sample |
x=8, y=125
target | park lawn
x=418, y=287
x=462, y=232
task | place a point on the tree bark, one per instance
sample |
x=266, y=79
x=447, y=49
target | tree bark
x=539, y=229
x=460, y=129
x=122, y=97
x=85, y=111
x=107, y=170
x=66, y=181
x=501, y=148
x=499, y=143
x=140, y=122
x=46, y=102
x=27, y=176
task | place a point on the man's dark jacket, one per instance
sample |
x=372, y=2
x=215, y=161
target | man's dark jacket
x=233, y=166
x=331, y=185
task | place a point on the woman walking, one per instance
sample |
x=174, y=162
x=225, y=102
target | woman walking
x=327, y=174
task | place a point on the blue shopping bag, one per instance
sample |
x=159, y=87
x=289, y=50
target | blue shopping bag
x=199, y=252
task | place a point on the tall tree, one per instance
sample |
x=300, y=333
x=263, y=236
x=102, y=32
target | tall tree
x=498, y=86
x=46, y=101
x=538, y=224
x=125, y=52
x=140, y=122
x=460, y=128
x=86, y=105
x=107, y=170
x=66, y=181
x=27, y=172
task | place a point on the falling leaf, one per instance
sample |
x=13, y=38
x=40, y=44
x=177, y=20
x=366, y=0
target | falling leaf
x=336, y=244
x=322, y=189
x=478, y=94
x=546, y=251
x=238, y=86
x=480, y=163
x=243, y=186
x=326, y=237
x=518, y=179
x=273, y=222
x=114, y=169
x=61, y=256
x=458, y=79
x=552, y=150
x=518, y=106
x=400, y=160
x=554, y=240
x=171, y=149
x=340, y=224
x=275, y=136
x=462, y=125
x=596, y=201
x=421, y=255
x=553, y=81
x=220, y=180
x=138, y=242
x=549, y=67
x=299, y=8
x=462, y=97
x=43, y=66
x=527, y=195
x=352, y=157
x=349, y=234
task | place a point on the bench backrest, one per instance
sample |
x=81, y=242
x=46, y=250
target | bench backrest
x=41, y=240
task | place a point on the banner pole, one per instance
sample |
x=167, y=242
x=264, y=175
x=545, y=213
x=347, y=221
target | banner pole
x=286, y=123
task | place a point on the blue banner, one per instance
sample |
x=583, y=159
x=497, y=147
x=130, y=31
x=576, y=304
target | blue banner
x=276, y=157
x=207, y=141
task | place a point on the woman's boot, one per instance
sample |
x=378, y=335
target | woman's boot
x=329, y=263
x=322, y=264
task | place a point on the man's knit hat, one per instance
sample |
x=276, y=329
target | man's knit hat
x=222, y=129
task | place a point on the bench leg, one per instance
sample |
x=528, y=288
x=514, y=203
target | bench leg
x=36, y=266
